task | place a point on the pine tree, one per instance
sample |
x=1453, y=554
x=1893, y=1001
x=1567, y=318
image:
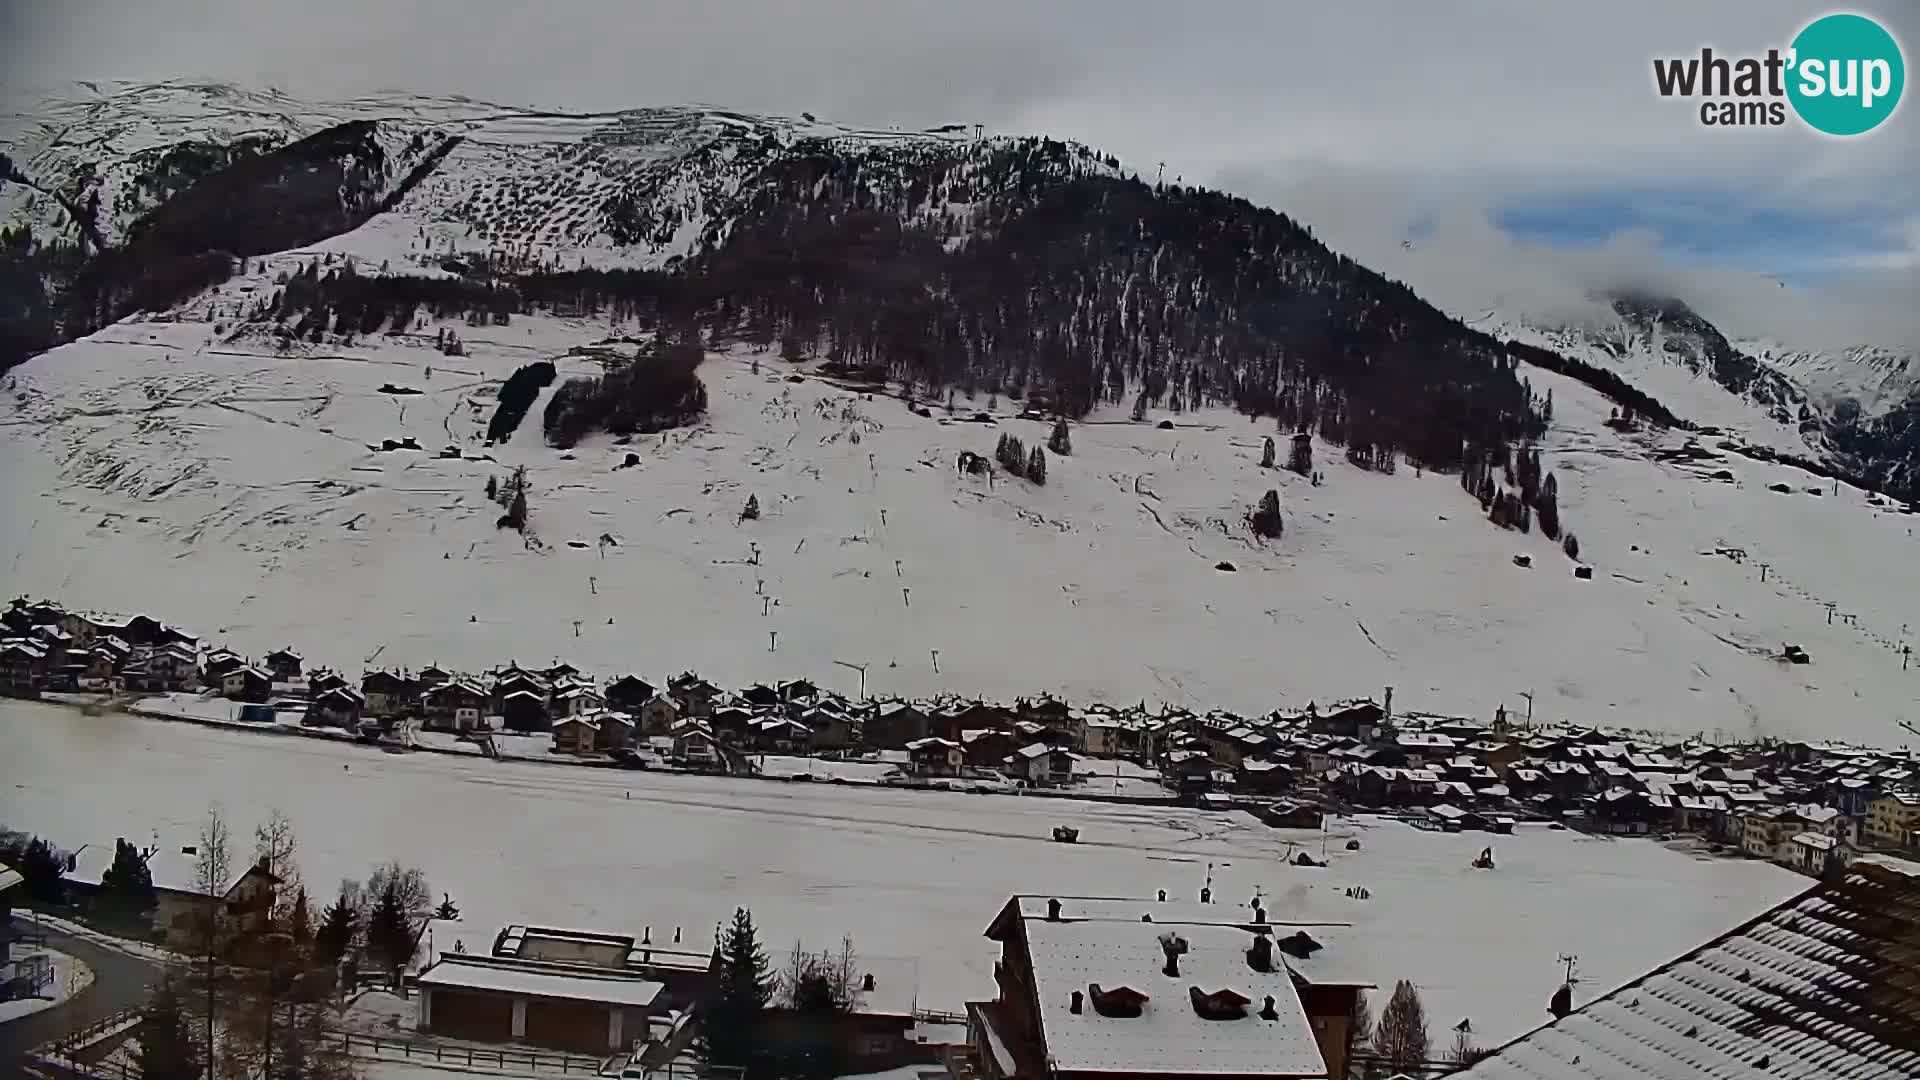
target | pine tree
x=1571, y=545
x=339, y=925
x=1037, y=466
x=493, y=489
x=1266, y=453
x=1060, y=442
x=1266, y=517
x=1401, y=1037
x=1360, y=1021
x=390, y=932
x=300, y=921
x=1300, y=455
x=127, y=886
x=166, y=1050
x=745, y=989
x=751, y=511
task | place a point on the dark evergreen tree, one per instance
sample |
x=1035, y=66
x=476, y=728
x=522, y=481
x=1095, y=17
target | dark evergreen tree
x=1300, y=454
x=1037, y=466
x=493, y=488
x=126, y=889
x=1401, y=1036
x=751, y=511
x=1266, y=452
x=1548, y=505
x=339, y=925
x=1060, y=442
x=390, y=932
x=734, y=1028
x=1571, y=545
x=166, y=1050
x=1265, y=518
x=300, y=922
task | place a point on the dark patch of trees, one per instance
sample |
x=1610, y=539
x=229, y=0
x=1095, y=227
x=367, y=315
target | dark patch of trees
x=517, y=395
x=41, y=867
x=1012, y=455
x=1061, y=441
x=1037, y=466
x=658, y=390
x=1265, y=517
x=1609, y=384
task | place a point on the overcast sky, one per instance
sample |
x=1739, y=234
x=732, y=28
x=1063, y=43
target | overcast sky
x=1518, y=143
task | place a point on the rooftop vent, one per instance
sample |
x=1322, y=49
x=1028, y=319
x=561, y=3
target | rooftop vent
x=1121, y=1002
x=1260, y=956
x=1267, y=1011
x=1219, y=1004
x=1173, y=945
x=1074, y=1008
x=1299, y=945
x=866, y=983
x=1053, y=911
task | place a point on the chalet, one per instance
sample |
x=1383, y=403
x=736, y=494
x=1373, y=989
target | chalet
x=246, y=895
x=576, y=734
x=1347, y=719
x=693, y=694
x=454, y=705
x=580, y=1007
x=523, y=711
x=658, y=714
x=983, y=747
x=560, y=670
x=387, y=694
x=217, y=663
x=694, y=747
x=832, y=728
x=616, y=731
x=247, y=683
x=514, y=681
x=629, y=692
x=89, y=627
x=1096, y=989
x=760, y=695
x=895, y=724
x=284, y=664
x=732, y=725
x=577, y=700
x=1424, y=747
x=1828, y=959
x=1265, y=777
x=798, y=691
x=1894, y=819
x=320, y=682
x=778, y=735
x=935, y=757
x=339, y=707
x=1041, y=765
x=24, y=665
x=1624, y=810
x=434, y=675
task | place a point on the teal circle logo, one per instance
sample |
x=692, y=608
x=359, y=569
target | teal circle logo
x=1846, y=75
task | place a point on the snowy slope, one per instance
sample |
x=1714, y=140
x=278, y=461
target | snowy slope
x=522, y=184
x=158, y=466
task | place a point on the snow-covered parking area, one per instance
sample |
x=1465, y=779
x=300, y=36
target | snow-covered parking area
x=907, y=873
x=65, y=977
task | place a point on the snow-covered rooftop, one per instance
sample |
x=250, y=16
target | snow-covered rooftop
x=461, y=972
x=1824, y=986
x=1169, y=1037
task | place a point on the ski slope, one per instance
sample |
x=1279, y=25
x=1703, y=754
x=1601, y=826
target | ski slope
x=913, y=877
x=161, y=466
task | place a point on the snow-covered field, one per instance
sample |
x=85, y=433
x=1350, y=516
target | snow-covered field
x=156, y=467
x=908, y=874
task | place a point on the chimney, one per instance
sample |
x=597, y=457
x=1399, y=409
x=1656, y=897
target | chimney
x=1260, y=956
x=1172, y=944
x=1075, y=1007
x=646, y=936
x=676, y=935
x=1386, y=710
x=1163, y=896
x=1267, y=1011
x=1206, y=895
x=1053, y=911
x=866, y=983
x=1259, y=913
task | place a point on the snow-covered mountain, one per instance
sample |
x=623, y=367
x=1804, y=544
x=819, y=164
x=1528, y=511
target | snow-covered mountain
x=231, y=442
